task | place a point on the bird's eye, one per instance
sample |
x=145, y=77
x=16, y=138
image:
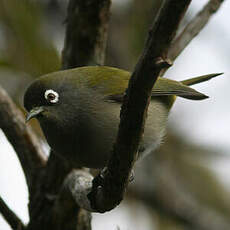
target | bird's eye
x=51, y=96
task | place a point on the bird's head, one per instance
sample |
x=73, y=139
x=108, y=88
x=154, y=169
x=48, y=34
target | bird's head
x=51, y=98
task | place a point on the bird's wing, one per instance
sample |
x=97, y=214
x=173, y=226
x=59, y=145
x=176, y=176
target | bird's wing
x=113, y=82
x=166, y=86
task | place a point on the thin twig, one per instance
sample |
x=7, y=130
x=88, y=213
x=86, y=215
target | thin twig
x=12, y=219
x=26, y=144
x=193, y=28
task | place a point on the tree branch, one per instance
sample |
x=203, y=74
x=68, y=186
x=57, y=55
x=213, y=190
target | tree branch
x=86, y=33
x=193, y=28
x=24, y=141
x=46, y=210
x=75, y=189
x=12, y=219
x=108, y=190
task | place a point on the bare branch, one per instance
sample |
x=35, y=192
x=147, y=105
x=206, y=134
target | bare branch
x=193, y=28
x=75, y=189
x=12, y=219
x=49, y=210
x=109, y=189
x=74, y=192
x=24, y=141
x=86, y=33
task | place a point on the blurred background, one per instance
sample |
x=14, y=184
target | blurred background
x=185, y=184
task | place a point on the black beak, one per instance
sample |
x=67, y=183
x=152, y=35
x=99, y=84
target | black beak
x=34, y=112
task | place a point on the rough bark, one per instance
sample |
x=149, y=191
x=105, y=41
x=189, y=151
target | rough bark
x=44, y=214
x=86, y=33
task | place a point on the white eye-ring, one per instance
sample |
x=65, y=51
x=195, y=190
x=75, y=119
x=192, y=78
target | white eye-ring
x=51, y=96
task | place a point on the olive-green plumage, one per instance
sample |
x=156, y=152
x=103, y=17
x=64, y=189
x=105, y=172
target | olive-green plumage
x=78, y=110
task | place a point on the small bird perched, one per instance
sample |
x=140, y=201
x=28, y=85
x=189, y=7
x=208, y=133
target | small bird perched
x=78, y=110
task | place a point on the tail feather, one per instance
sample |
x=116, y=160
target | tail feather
x=196, y=80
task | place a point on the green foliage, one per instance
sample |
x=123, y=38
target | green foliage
x=26, y=47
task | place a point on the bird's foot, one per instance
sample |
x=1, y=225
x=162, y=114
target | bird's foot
x=131, y=177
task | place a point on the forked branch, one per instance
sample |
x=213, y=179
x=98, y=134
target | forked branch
x=193, y=28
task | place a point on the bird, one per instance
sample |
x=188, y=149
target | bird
x=78, y=110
